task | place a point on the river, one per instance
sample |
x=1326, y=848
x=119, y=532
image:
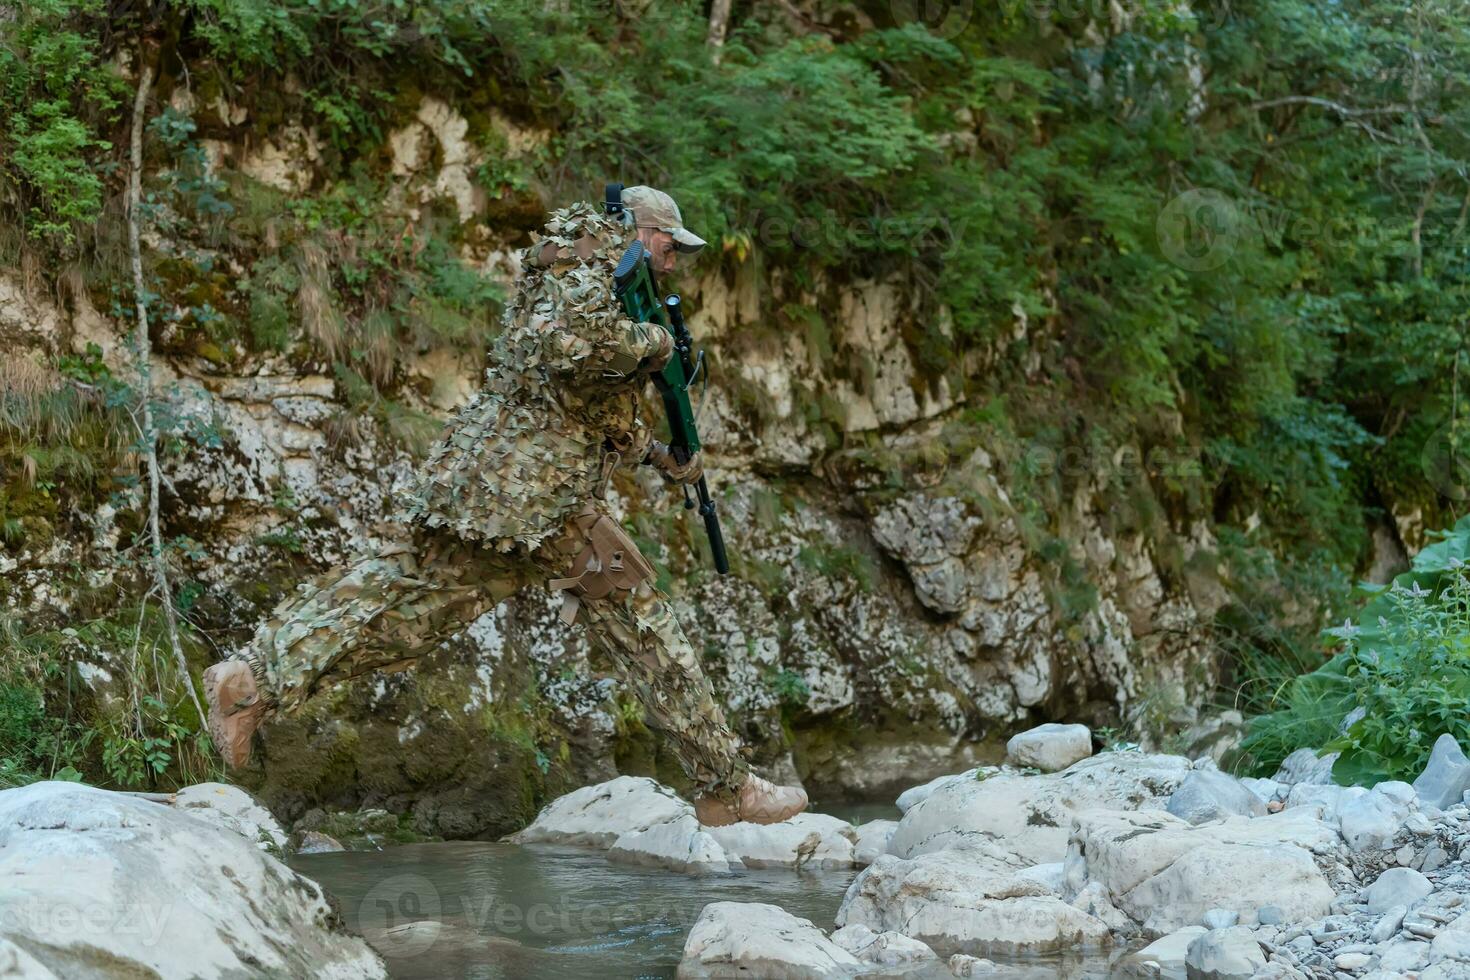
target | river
x=491, y=911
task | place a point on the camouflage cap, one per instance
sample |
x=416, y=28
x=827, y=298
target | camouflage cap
x=653, y=208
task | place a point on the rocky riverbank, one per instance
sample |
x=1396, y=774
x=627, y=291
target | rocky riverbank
x=1180, y=869
x=1157, y=865
x=101, y=884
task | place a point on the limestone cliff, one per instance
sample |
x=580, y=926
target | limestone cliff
x=892, y=606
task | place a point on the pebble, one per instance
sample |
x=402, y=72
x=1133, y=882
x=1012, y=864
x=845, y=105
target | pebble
x=1404, y=855
x=1388, y=925
x=1418, y=823
x=1351, y=961
x=1270, y=915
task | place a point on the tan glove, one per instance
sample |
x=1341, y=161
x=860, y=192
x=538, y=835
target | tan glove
x=656, y=361
x=662, y=459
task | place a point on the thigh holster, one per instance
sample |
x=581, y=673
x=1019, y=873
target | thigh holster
x=608, y=565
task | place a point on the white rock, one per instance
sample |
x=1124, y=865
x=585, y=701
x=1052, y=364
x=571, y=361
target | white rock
x=1403, y=957
x=1388, y=925
x=918, y=794
x=96, y=877
x=233, y=809
x=1224, y=954
x=1220, y=918
x=1395, y=887
x=968, y=900
x=738, y=939
x=872, y=840
x=1166, y=874
x=1048, y=876
x=1208, y=794
x=811, y=840
x=1266, y=789
x=1351, y=961
x=1050, y=747
x=598, y=815
x=881, y=948
x=1031, y=816
x=1167, y=953
x=679, y=845
x=964, y=965
x=1450, y=945
x=1304, y=766
x=17, y=964
x=1370, y=822
x=1399, y=792
x=1328, y=799
x=1096, y=902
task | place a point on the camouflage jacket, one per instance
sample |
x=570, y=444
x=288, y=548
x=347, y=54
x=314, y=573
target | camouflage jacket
x=562, y=388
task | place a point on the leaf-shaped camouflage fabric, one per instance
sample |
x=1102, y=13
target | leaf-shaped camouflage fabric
x=526, y=452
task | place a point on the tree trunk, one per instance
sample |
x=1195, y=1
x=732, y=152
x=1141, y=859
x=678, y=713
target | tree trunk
x=719, y=24
x=144, y=353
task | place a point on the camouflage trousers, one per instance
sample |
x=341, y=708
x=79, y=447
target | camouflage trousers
x=383, y=612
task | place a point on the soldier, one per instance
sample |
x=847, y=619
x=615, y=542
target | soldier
x=511, y=496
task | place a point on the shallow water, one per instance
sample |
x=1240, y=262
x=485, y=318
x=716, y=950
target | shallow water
x=489, y=911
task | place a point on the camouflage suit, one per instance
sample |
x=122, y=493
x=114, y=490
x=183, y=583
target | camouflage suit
x=505, y=501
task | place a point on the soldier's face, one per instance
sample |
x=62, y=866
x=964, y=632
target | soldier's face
x=661, y=249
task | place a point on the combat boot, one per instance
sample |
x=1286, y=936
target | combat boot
x=235, y=709
x=758, y=801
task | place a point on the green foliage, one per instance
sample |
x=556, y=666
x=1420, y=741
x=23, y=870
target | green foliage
x=790, y=688
x=54, y=93
x=842, y=562
x=1403, y=661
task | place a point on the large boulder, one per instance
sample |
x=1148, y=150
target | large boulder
x=882, y=948
x=872, y=840
x=1395, y=887
x=1031, y=816
x=1224, y=954
x=1209, y=794
x=807, y=840
x=1306, y=766
x=1166, y=874
x=967, y=899
x=678, y=845
x=738, y=939
x=915, y=795
x=1050, y=747
x=1447, y=776
x=94, y=883
x=1164, y=956
x=1371, y=821
x=598, y=815
x=231, y=808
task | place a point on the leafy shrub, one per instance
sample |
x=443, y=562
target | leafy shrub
x=1405, y=663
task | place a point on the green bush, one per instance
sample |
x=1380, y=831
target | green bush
x=1405, y=662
